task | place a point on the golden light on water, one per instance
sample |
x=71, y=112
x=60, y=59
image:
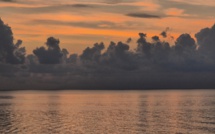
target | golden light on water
x=108, y=111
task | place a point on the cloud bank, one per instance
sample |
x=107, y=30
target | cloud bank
x=10, y=52
x=189, y=63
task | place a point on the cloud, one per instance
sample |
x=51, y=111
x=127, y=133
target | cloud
x=121, y=1
x=129, y=40
x=95, y=24
x=118, y=56
x=191, y=9
x=90, y=8
x=164, y=33
x=52, y=55
x=143, y=15
x=81, y=5
x=87, y=24
x=92, y=54
x=197, y=2
x=56, y=8
x=185, y=41
x=7, y=0
x=174, y=12
x=10, y=52
x=55, y=2
x=155, y=38
x=153, y=64
x=205, y=39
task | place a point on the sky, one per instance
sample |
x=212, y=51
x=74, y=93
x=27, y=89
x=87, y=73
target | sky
x=107, y=44
x=81, y=23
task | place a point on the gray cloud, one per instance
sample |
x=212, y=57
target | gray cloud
x=74, y=1
x=90, y=8
x=143, y=15
x=117, y=7
x=194, y=11
x=196, y=2
x=81, y=5
x=89, y=24
x=53, y=54
x=73, y=8
x=206, y=41
x=92, y=54
x=10, y=52
x=164, y=33
x=119, y=1
x=98, y=24
x=7, y=0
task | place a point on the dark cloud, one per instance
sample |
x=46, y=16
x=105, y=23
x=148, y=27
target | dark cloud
x=119, y=1
x=206, y=39
x=164, y=33
x=73, y=58
x=92, y=54
x=7, y=0
x=10, y=52
x=185, y=43
x=155, y=38
x=143, y=46
x=153, y=64
x=143, y=15
x=71, y=8
x=53, y=54
x=129, y=40
x=81, y=5
x=118, y=56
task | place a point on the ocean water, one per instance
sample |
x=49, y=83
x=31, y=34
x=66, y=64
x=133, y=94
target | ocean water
x=108, y=112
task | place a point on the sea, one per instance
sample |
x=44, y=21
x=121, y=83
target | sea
x=108, y=112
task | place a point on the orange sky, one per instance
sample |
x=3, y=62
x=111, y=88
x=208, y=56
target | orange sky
x=81, y=23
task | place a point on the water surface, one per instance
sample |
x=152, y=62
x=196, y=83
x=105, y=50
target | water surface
x=108, y=112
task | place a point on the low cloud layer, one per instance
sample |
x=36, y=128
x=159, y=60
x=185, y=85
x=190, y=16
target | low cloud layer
x=189, y=63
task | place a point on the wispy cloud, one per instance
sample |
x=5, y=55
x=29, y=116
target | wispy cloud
x=89, y=24
x=121, y=18
x=144, y=15
x=7, y=0
x=190, y=8
x=197, y=2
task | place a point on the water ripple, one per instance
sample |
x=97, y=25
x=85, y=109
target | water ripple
x=92, y=113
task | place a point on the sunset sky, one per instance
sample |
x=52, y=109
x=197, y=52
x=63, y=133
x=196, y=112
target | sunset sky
x=81, y=23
